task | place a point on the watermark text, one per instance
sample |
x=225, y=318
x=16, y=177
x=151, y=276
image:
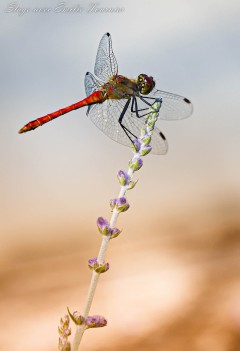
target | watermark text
x=62, y=7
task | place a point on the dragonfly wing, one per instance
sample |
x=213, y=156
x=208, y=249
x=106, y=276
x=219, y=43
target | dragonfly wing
x=106, y=63
x=173, y=107
x=91, y=83
x=105, y=116
x=159, y=143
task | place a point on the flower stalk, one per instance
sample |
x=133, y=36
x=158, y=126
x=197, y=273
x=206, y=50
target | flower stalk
x=141, y=147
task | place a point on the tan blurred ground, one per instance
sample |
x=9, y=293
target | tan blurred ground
x=174, y=288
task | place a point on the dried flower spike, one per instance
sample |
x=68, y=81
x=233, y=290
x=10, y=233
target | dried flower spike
x=64, y=345
x=65, y=321
x=64, y=331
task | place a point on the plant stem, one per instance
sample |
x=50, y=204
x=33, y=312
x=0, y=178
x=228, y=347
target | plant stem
x=102, y=253
x=95, y=276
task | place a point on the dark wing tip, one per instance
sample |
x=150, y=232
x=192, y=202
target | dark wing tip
x=162, y=135
x=187, y=101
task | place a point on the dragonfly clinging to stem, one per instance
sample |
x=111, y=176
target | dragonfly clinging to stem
x=117, y=104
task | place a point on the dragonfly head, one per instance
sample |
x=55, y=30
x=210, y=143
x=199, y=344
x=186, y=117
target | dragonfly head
x=145, y=84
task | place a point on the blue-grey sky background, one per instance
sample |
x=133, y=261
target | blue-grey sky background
x=61, y=176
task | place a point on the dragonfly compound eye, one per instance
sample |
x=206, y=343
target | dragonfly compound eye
x=145, y=84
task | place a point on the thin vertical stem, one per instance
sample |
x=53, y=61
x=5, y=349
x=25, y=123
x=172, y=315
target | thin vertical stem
x=103, y=249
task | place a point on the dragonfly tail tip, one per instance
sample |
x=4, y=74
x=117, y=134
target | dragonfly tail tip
x=22, y=130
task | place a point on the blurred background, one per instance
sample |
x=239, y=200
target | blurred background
x=174, y=278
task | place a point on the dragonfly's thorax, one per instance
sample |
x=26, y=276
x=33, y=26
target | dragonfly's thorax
x=120, y=87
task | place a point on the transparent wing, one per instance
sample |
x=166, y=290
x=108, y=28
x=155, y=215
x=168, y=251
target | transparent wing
x=91, y=83
x=106, y=64
x=105, y=116
x=173, y=106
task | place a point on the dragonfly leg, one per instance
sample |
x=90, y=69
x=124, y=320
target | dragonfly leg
x=120, y=120
x=146, y=102
x=135, y=109
x=144, y=99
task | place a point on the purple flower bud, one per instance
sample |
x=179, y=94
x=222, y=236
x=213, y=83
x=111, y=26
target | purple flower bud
x=103, y=226
x=145, y=149
x=121, y=204
x=136, y=163
x=95, y=322
x=113, y=203
x=115, y=232
x=123, y=177
x=92, y=262
x=136, y=145
x=98, y=267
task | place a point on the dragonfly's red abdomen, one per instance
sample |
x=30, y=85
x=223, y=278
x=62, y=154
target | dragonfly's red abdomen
x=94, y=98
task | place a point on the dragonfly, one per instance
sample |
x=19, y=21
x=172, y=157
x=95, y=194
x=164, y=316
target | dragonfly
x=117, y=105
